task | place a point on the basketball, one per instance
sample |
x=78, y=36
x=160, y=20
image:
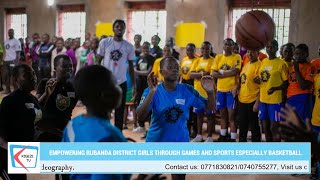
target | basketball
x=254, y=29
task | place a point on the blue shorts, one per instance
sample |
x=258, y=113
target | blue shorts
x=269, y=111
x=198, y=111
x=225, y=100
x=301, y=103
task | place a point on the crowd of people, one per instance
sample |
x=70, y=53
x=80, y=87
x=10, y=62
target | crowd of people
x=248, y=90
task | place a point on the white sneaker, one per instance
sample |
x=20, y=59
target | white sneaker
x=139, y=129
x=198, y=138
x=209, y=139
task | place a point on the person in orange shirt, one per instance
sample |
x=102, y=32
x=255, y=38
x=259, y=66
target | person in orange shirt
x=245, y=60
x=300, y=80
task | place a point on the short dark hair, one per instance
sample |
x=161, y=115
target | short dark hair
x=60, y=39
x=46, y=34
x=16, y=70
x=304, y=48
x=231, y=40
x=138, y=35
x=35, y=34
x=191, y=45
x=118, y=21
x=93, y=84
x=156, y=37
x=291, y=45
x=60, y=56
x=164, y=60
x=146, y=43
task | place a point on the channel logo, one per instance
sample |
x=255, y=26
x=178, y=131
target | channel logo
x=23, y=157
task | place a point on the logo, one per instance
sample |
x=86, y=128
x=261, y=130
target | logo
x=243, y=78
x=173, y=114
x=185, y=69
x=265, y=76
x=181, y=101
x=225, y=67
x=23, y=157
x=62, y=102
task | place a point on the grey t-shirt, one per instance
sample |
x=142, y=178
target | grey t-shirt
x=116, y=54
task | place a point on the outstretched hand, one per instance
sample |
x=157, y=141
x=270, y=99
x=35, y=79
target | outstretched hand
x=207, y=83
x=293, y=128
x=152, y=82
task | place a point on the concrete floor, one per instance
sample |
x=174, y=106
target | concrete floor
x=136, y=136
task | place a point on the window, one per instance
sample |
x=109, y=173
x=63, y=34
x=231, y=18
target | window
x=281, y=17
x=16, y=19
x=148, y=24
x=72, y=21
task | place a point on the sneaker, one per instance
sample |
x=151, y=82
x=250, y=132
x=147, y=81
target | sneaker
x=198, y=138
x=139, y=129
x=223, y=139
x=209, y=139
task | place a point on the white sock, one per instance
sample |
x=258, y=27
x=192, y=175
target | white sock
x=223, y=132
x=233, y=135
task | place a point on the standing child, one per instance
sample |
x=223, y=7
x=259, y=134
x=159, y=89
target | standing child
x=186, y=65
x=300, y=79
x=169, y=104
x=100, y=99
x=92, y=53
x=167, y=52
x=226, y=68
x=249, y=99
x=81, y=55
x=201, y=67
x=156, y=51
x=273, y=77
x=142, y=70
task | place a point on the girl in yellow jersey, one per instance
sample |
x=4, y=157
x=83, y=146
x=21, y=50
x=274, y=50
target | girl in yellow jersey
x=200, y=68
x=167, y=52
x=249, y=99
x=185, y=67
x=226, y=68
x=273, y=75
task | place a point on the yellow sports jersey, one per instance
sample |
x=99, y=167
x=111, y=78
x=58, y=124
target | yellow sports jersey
x=272, y=73
x=248, y=89
x=186, y=65
x=226, y=63
x=156, y=68
x=316, y=109
x=201, y=65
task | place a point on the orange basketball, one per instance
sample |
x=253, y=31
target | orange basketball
x=254, y=29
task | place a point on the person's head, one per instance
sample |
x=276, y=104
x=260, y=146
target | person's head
x=67, y=43
x=62, y=67
x=27, y=40
x=24, y=77
x=167, y=51
x=190, y=50
x=76, y=43
x=272, y=48
x=21, y=41
x=53, y=39
x=11, y=33
x=287, y=51
x=301, y=53
x=45, y=38
x=86, y=44
x=94, y=43
x=155, y=40
x=59, y=43
x=36, y=38
x=236, y=48
x=228, y=45
x=170, y=41
x=206, y=49
x=170, y=69
x=253, y=55
x=137, y=39
x=104, y=93
x=119, y=27
x=88, y=36
x=146, y=48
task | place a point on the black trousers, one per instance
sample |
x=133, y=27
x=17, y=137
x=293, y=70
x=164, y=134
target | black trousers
x=118, y=117
x=248, y=118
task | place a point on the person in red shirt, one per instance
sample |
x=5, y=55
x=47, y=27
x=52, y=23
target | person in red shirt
x=300, y=82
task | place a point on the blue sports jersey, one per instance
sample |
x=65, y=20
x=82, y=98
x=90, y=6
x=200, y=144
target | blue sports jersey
x=93, y=129
x=170, y=112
